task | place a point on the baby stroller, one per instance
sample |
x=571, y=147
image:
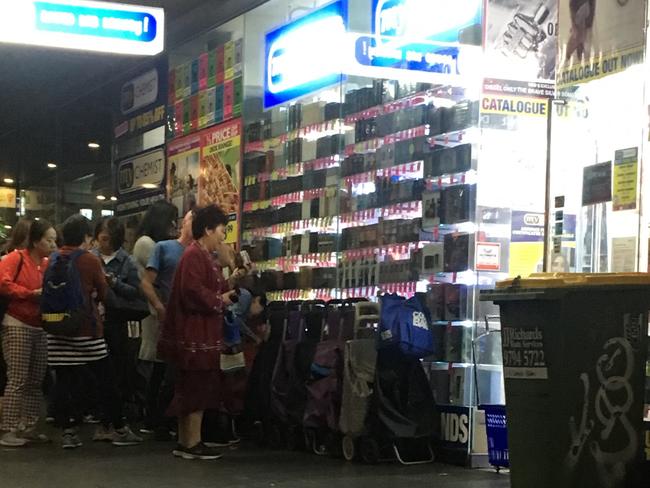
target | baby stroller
x=359, y=364
x=324, y=389
x=291, y=372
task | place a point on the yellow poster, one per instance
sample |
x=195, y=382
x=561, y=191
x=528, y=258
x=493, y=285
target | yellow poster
x=526, y=258
x=626, y=169
x=220, y=171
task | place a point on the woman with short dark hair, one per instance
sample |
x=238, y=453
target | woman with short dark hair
x=67, y=354
x=191, y=336
x=23, y=340
x=122, y=278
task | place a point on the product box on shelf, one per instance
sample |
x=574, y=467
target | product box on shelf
x=432, y=258
x=458, y=204
x=448, y=160
x=431, y=209
x=459, y=251
x=435, y=300
x=439, y=381
x=385, y=156
x=332, y=110
x=458, y=343
x=460, y=385
x=456, y=302
x=327, y=243
x=324, y=278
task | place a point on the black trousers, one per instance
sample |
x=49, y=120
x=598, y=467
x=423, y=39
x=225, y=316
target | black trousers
x=160, y=392
x=71, y=382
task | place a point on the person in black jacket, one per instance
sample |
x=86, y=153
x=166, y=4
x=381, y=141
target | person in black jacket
x=122, y=277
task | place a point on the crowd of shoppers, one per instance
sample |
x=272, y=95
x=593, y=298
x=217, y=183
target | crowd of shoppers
x=147, y=330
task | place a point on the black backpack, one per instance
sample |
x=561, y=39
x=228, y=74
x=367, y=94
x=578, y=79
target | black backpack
x=63, y=305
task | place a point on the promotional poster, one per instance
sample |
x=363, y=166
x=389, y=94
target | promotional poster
x=220, y=169
x=598, y=38
x=183, y=172
x=521, y=38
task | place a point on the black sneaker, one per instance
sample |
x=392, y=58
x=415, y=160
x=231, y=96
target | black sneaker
x=200, y=451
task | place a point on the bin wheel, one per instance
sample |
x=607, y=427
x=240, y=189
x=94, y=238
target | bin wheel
x=349, y=448
x=369, y=450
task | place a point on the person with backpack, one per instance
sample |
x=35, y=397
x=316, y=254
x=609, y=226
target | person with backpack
x=191, y=335
x=23, y=339
x=124, y=304
x=73, y=287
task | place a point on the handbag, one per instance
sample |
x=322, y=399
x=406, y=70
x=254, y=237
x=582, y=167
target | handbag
x=120, y=309
x=4, y=300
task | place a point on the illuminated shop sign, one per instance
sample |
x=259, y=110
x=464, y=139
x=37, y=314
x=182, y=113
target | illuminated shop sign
x=304, y=55
x=420, y=35
x=408, y=21
x=142, y=172
x=84, y=25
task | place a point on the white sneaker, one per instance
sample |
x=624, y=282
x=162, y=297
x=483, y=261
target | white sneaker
x=12, y=439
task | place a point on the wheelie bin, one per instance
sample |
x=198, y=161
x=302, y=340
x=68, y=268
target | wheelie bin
x=574, y=354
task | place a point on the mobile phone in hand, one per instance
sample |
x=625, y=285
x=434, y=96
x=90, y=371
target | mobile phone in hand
x=246, y=259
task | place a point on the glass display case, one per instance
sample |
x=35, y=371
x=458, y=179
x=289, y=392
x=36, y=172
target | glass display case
x=401, y=175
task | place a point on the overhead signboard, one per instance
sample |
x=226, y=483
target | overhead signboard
x=400, y=22
x=85, y=25
x=140, y=181
x=303, y=55
x=146, y=171
x=142, y=101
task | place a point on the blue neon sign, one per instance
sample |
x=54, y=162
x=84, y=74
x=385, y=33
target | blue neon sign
x=449, y=21
x=302, y=56
x=85, y=25
x=97, y=22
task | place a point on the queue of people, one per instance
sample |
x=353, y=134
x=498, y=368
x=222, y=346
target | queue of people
x=162, y=328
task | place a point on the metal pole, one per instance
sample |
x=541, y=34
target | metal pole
x=547, y=208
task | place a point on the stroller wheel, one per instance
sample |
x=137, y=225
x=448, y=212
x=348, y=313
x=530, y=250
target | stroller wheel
x=369, y=450
x=349, y=448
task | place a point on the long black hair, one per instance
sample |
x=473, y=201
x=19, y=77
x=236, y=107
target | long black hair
x=158, y=221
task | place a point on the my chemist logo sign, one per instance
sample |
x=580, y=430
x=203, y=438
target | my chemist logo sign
x=84, y=25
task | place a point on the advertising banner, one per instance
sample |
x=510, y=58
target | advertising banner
x=141, y=102
x=140, y=181
x=599, y=38
x=183, y=172
x=521, y=39
x=626, y=174
x=219, y=178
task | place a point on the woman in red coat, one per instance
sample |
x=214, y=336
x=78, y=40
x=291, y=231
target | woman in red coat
x=191, y=336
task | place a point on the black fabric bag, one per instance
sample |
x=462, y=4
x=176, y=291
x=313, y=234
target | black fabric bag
x=121, y=309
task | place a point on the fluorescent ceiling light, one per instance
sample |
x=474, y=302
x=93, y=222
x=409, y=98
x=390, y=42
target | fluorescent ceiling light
x=101, y=197
x=93, y=145
x=8, y=181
